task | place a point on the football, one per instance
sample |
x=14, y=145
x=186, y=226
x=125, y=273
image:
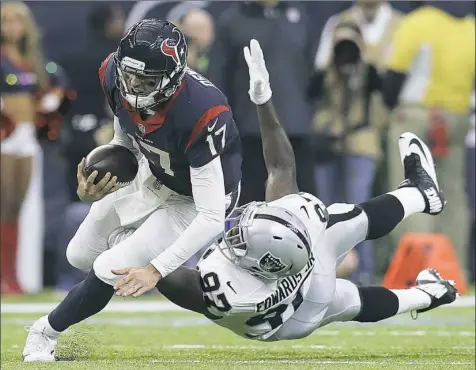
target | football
x=116, y=159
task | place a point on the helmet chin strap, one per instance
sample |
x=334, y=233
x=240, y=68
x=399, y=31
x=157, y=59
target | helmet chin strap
x=140, y=102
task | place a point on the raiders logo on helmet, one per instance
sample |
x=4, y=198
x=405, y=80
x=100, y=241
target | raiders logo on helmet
x=270, y=263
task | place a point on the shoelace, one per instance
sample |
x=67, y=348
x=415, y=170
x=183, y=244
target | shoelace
x=41, y=344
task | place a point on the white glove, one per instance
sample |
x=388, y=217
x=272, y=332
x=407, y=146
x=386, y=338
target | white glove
x=22, y=141
x=260, y=90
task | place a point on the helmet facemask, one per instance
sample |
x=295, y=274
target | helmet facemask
x=234, y=246
x=144, y=90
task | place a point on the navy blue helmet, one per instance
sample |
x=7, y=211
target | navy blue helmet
x=151, y=60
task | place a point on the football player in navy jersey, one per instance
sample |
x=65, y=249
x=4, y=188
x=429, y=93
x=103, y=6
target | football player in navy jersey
x=182, y=130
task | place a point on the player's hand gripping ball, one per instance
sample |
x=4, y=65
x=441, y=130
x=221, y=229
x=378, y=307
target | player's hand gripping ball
x=105, y=170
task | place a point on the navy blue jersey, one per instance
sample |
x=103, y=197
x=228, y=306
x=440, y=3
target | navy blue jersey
x=189, y=130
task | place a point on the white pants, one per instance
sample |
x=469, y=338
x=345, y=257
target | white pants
x=150, y=215
x=328, y=299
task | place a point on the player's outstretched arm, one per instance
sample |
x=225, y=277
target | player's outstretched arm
x=277, y=150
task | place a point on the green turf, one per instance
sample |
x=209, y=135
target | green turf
x=50, y=295
x=441, y=339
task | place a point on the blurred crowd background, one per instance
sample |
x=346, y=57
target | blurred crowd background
x=347, y=77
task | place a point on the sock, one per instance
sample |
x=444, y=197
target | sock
x=85, y=300
x=8, y=248
x=383, y=214
x=411, y=199
x=377, y=303
x=49, y=331
x=411, y=299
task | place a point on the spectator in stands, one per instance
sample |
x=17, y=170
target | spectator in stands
x=197, y=25
x=364, y=34
x=428, y=84
x=33, y=95
x=283, y=32
x=90, y=121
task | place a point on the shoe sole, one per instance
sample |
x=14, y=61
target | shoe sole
x=410, y=143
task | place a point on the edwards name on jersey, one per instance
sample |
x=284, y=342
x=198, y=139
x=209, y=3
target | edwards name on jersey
x=189, y=130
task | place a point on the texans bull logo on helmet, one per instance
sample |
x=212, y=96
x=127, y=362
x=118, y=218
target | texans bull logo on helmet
x=270, y=263
x=171, y=50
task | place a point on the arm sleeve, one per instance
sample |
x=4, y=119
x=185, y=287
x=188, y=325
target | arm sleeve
x=325, y=44
x=121, y=138
x=209, y=195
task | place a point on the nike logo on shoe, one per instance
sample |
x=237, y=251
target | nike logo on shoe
x=434, y=200
x=418, y=144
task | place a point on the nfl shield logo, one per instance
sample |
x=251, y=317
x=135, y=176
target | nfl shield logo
x=141, y=127
x=270, y=263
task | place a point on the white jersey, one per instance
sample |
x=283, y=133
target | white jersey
x=253, y=307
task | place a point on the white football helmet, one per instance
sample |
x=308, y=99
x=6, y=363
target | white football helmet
x=269, y=241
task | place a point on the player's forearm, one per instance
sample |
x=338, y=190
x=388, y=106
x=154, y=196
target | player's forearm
x=277, y=149
x=209, y=197
x=278, y=155
x=201, y=233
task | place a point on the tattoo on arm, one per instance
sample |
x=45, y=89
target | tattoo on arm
x=278, y=155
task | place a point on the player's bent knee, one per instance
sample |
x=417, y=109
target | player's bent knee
x=77, y=257
x=103, y=266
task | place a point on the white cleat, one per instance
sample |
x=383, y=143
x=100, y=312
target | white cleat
x=420, y=171
x=440, y=291
x=41, y=342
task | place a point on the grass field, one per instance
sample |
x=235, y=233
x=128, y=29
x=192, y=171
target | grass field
x=174, y=339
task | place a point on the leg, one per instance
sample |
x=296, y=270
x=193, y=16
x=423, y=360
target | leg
x=136, y=249
x=31, y=225
x=374, y=303
x=15, y=178
x=156, y=234
x=89, y=297
x=92, y=236
x=418, y=193
x=69, y=276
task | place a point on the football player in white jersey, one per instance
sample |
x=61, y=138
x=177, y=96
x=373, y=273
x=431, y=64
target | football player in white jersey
x=273, y=274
